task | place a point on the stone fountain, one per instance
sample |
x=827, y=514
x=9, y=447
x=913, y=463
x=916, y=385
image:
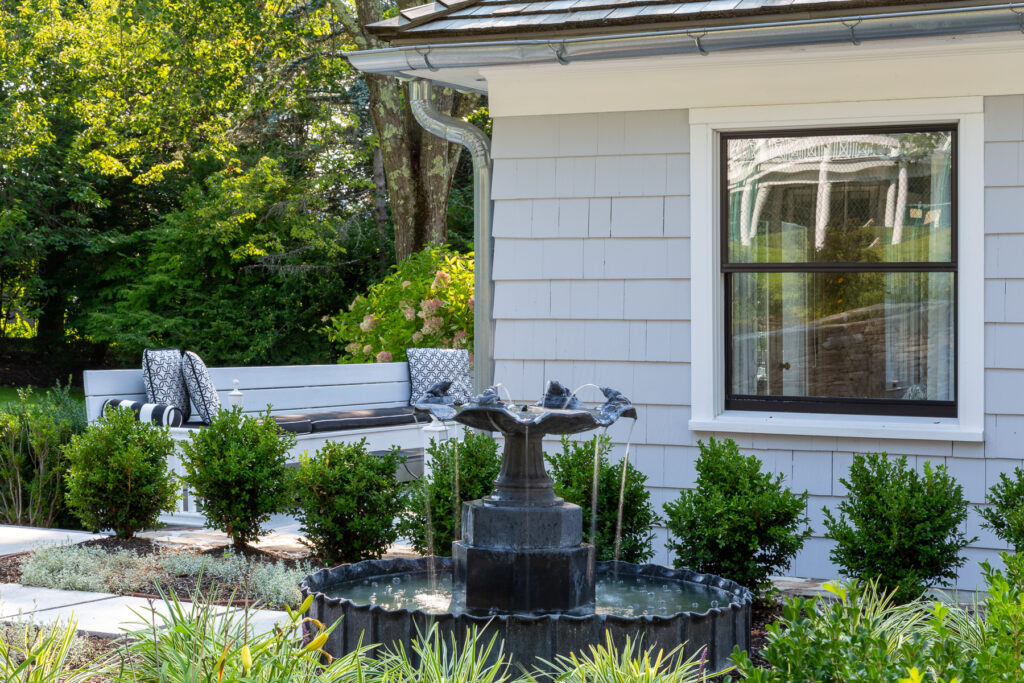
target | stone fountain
x=521, y=568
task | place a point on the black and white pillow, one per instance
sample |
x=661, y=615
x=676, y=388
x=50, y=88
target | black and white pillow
x=161, y=375
x=200, y=386
x=161, y=414
x=429, y=366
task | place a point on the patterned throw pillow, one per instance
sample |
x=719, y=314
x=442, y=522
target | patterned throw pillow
x=160, y=414
x=200, y=386
x=428, y=366
x=161, y=375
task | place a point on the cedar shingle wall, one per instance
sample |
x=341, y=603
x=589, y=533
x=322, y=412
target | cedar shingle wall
x=591, y=227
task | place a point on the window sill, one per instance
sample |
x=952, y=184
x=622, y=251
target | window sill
x=854, y=426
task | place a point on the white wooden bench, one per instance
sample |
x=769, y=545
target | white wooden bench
x=286, y=389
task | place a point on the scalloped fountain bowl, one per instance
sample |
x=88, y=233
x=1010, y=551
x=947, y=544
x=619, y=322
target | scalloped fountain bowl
x=391, y=601
x=521, y=569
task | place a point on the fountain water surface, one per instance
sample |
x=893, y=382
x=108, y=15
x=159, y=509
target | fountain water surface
x=521, y=568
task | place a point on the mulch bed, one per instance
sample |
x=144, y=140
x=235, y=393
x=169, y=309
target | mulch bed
x=10, y=567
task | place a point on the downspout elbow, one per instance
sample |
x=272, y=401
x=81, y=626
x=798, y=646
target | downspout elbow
x=479, y=146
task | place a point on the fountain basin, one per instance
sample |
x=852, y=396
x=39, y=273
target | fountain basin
x=720, y=620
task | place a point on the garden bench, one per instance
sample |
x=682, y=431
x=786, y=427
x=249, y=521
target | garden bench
x=319, y=403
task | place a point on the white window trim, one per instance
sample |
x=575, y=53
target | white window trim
x=707, y=391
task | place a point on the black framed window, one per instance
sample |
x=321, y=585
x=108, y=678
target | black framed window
x=840, y=265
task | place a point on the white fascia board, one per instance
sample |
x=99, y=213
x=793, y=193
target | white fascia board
x=708, y=341
x=905, y=69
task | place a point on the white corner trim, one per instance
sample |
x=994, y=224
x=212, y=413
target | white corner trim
x=707, y=341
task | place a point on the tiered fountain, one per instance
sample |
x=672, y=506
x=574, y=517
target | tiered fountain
x=521, y=569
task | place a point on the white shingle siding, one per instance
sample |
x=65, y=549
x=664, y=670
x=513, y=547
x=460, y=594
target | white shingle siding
x=592, y=284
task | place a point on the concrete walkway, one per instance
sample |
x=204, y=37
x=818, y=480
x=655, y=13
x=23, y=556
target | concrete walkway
x=103, y=614
x=19, y=539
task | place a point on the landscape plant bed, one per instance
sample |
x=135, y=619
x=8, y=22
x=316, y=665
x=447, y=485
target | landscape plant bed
x=139, y=567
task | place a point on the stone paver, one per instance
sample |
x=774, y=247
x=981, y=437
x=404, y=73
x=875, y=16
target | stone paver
x=19, y=539
x=16, y=599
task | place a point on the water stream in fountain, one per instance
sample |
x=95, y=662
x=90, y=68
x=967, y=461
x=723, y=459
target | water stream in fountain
x=622, y=494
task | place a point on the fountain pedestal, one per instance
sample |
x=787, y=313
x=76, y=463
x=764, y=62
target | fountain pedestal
x=522, y=547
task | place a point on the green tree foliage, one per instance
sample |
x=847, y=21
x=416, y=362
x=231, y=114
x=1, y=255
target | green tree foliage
x=572, y=473
x=33, y=467
x=347, y=501
x=185, y=134
x=1006, y=515
x=897, y=526
x=426, y=301
x=236, y=466
x=738, y=522
x=243, y=274
x=461, y=471
x=118, y=475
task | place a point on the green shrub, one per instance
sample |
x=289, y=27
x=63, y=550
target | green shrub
x=897, y=526
x=41, y=654
x=572, y=473
x=199, y=642
x=347, y=501
x=432, y=505
x=739, y=522
x=33, y=467
x=236, y=467
x=118, y=476
x=426, y=302
x=630, y=663
x=864, y=636
x=1006, y=516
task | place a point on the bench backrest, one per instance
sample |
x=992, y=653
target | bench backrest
x=287, y=388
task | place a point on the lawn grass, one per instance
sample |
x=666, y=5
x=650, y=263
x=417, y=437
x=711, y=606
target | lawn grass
x=10, y=394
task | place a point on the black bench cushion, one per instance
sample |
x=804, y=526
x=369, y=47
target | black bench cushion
x=340, y=420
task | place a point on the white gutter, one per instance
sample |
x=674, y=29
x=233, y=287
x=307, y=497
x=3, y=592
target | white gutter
x=479, y=146
x=989, y=18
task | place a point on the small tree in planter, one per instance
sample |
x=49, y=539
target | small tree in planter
x=118, y=477
x=236, y=466
x=347, y=500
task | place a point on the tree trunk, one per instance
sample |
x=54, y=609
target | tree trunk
x=380, y=193
x=418, y=167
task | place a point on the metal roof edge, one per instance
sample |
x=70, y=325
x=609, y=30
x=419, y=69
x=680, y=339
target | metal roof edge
x=989, y=18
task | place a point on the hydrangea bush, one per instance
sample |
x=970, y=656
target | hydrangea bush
x=427, y=301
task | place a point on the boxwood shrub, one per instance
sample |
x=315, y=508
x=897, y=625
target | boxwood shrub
x=118, y=477
x=739, y=522
x=432, y=505
x=572, y=472
x=236, y=467
x=346, y=501
x=899, y=527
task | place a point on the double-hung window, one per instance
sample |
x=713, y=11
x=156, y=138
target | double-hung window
x=838, y=253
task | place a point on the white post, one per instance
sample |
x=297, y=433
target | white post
x=235, y=397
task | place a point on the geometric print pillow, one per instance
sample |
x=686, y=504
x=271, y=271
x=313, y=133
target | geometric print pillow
x=429, y=366
x=161, y=375
x=160, y=414
x=200, y=386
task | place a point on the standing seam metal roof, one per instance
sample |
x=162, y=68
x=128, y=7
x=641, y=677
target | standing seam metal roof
x=483, y=19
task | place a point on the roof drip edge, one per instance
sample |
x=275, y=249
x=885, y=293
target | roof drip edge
x=401, y=61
